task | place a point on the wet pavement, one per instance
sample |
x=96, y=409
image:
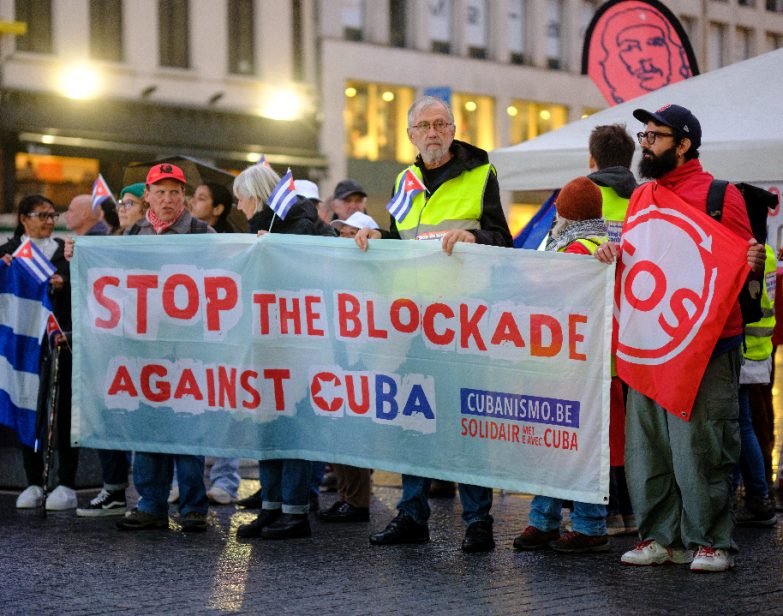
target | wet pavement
x=69, y=565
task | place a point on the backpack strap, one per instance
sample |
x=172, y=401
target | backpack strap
x=134, y=230
x=715, y=196
x=198, y=226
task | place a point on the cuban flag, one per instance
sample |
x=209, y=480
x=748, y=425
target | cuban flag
x=100, y=190
x=283, y=196
x=402, y=201
x=24, y=312
x=34, y=261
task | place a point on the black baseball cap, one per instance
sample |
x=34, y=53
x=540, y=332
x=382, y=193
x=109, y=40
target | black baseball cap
x=347, y=188
x=679, y=119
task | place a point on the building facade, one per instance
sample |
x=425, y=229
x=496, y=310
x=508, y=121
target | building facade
x=322, y=86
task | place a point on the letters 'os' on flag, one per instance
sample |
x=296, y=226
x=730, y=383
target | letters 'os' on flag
x=283, y=196
x=679, y=278
x=24, y=310
x=402, y=201
x=100, y=190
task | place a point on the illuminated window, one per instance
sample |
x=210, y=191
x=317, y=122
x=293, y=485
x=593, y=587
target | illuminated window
x=376, y=119
x=59, y=178
x=474, y=116
x=588, y=111
x=529, y=119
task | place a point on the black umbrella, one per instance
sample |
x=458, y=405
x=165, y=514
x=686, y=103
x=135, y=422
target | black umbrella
x=196, y=172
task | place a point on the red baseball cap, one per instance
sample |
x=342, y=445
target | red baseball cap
x=165, y=171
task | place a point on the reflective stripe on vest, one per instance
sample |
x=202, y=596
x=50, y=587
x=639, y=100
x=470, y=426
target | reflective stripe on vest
x=613, y=209
x=758, y=335
x=456, y=204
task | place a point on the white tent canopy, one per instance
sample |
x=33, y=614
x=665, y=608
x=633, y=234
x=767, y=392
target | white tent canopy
x=740, y=108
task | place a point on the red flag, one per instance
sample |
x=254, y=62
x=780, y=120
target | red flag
x=679, y=277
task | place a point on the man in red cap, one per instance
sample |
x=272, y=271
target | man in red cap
x=153, y=472
x=165, y=192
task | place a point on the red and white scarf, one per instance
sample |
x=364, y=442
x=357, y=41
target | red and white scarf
x=159, y=225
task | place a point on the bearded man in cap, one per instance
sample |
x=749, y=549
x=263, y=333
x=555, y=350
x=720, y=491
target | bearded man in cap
x=680, y=472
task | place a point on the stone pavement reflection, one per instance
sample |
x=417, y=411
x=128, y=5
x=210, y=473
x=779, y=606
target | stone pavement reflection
x=68, y=565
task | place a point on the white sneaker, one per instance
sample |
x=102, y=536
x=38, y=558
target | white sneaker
x=174, y=494
x=61, y=498
x=218, y=495
x=709, y=559
x=30, y=498
x=650, y=552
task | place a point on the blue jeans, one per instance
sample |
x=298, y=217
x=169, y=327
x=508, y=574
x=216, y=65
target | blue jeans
x=152, y=473
x=225, y=474
x=751, y=462
x=476, y=500
x=114, y=468
x=286, y=484
x=586, y=518
x=316, y=477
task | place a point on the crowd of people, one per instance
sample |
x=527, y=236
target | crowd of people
x=673, y=482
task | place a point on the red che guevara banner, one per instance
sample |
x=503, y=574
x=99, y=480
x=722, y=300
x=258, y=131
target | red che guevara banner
x=679, y=276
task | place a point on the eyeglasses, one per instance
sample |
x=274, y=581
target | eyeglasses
x=126, y=204
x=438, y=125
x=650, y=136
x=43, y=215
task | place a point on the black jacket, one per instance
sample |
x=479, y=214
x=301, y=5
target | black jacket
x=302, y=219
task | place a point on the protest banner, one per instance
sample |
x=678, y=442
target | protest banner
x=488, y=367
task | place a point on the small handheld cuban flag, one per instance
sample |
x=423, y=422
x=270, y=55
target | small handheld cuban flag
x=100, y=190
x=263, y=161
x=283, y=196
x=34, y=261
x=402, y=201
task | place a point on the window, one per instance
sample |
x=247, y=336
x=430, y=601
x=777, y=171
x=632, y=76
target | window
x=743, y=44
x=174, y=33
x=59, y=178
x=774, y=41
x=241, y=36
x=398, y=23
x=477, y=28
x=37, y=14
x=376, y=119
x=106, y=30
x=440, y=25
x=586, y=16
x=298, y=27
x=716, y=52
x=553, y=45
x=775, y=6
x=530, y=119
x=517, y=37
x=352, y=18
x=474, y=117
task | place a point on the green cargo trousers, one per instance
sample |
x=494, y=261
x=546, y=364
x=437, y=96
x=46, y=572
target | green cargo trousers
x=679, y=472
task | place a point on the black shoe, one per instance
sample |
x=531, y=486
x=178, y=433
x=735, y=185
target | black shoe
x=402, y=529
x=251, y=502
x=194, y=522
x=343, y=512
x=756, y=512
x=288, y=526
x=478, y=538
x=108, y=502
x=253, y=529
x=138, y=520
